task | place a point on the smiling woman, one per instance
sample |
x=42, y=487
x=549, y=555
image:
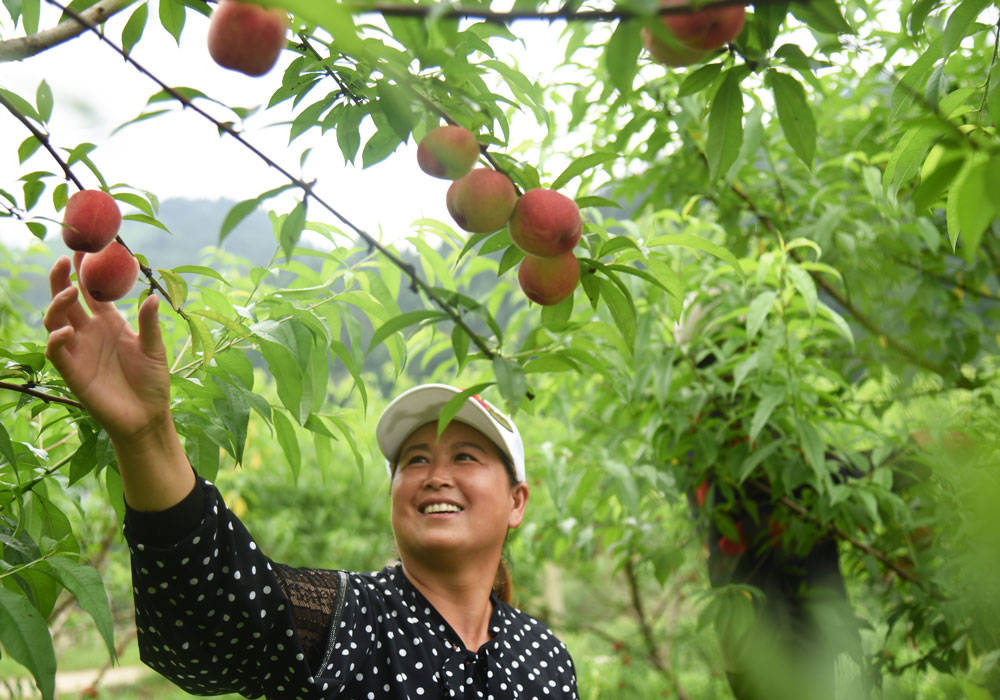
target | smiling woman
x=214, y=614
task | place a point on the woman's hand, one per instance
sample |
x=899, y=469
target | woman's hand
x=120, y=377
x=123, y=381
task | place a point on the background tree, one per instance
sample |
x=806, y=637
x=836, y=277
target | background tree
x=788, y=292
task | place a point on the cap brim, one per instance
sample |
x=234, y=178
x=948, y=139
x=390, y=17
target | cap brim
x=423, y=404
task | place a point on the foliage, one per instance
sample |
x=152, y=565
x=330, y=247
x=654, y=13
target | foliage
x=789, y=289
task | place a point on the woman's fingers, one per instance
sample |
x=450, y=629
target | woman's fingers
x=57, y=350
x=60, y=312
x=150, y=337
x=59, y=282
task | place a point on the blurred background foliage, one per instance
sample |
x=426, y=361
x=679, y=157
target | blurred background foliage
x=780, y=367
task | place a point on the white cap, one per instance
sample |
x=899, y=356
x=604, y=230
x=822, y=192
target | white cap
x=422, y=404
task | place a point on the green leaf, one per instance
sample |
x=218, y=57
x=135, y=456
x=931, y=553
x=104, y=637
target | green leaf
x=27, y=147
x=698, y=80
x=25, y=637
x=909, y=154
x=580, y=166
x=43, y=100
x=689, y=240
x=134, y=28
x=379, y=147
x=455, y=403
x=86, y=585
x=396, y=106
x=822, y=15
x=934, y=183
x=804, y=283
x=813, y=448
x=21, y=105
x=235, y=215
x=794, y=114
x=176, y=285
x=757, y=313
x=771, y=398
x=172, y=13
x=958, y=24
x=621, y=55
x=291, y=229
x=30, y=12
x=755, y=458
x=200, y=270
x=622, y=311
x=511, y=380
x=7, y=448
x=398, y=323
x=285, y=432
x=725, y=125
x=460, y=344
x=970, y=208
x=349, y=131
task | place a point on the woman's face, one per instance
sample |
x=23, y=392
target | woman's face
x=451, y=495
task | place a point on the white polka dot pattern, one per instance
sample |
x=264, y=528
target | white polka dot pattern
x=213, y=617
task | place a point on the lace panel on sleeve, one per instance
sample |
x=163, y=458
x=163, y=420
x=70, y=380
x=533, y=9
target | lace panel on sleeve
x=313, y=595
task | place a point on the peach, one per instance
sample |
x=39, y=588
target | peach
x=448, y=152
x=705, y=29
x=109, y=274
x=545, y=223
x=90, y=221
x=245, y=37
x=671, y=52
x=548, y=281
x=481, y=202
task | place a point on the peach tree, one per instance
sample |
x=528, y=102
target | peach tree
x=787, y=289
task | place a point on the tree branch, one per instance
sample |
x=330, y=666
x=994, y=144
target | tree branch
x=23, y=47
x=565, y=13
x=47, y=398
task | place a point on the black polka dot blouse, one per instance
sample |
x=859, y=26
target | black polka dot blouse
x=215, y=615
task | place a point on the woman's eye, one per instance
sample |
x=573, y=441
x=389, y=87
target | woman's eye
x=464, y=457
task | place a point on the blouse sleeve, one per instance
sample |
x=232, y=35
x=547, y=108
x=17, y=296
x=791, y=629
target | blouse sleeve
x=213, y=613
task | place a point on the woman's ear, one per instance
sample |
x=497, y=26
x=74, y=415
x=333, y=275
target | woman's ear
x=519, y=499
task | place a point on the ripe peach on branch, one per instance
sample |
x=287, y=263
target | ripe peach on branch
x=245, y=37
x=545, y=223
x=481, y=202
x=90, y=221
x=110, y=274
x=448, y=152
x=547, y=281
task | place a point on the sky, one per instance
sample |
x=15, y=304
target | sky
x=182, y=154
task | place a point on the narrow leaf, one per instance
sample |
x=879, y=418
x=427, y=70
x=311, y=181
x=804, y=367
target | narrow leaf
x=794, y=114
x=757, y=313
x=86, y=585
x=25, y=637
x=134, y=28
x=771, y=398
x=621, y=56
x=725, y=125
x=285, y=432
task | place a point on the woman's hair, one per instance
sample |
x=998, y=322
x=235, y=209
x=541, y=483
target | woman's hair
x=503, y=584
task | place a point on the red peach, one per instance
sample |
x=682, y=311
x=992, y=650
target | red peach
x=245, y=37
x=109, y=274
x=448, y=152
x=705, y=29
x=548, y=281
x=545, y=223
x=481, y=202
x=90, y=221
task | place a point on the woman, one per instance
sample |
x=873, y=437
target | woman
x=215, y=615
